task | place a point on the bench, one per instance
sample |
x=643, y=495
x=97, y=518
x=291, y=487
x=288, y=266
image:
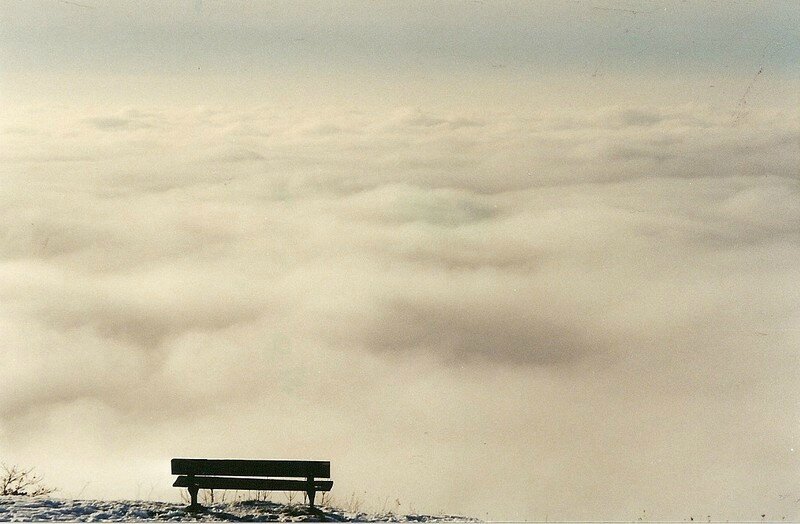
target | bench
x=295, y=475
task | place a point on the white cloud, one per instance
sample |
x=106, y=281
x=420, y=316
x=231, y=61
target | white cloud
x=465, y=298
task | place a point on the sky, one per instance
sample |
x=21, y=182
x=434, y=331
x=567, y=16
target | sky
x=512, y=260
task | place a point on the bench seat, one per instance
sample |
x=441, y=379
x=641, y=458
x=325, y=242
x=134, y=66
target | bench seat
x=253, y=484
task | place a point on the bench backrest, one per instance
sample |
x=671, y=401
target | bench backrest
x=252, y=468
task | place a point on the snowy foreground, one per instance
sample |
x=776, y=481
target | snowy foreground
x=41, y=509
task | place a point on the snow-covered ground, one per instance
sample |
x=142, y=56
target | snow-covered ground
x=42, y=509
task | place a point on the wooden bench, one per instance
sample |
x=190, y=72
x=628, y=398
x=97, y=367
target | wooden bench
x=197, y=474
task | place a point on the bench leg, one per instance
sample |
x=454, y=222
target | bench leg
x=193, y=494
x=311, y=498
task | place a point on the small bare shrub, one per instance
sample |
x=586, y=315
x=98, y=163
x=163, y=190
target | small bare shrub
x=247, y=496
x=22, y=482
x=325, y=498
x=209, y=498
x=354, y=503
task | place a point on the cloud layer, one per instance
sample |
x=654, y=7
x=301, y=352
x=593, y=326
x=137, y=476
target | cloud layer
x=596, y=305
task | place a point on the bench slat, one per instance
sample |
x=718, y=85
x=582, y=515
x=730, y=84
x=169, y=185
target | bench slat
x=251, y=484
x=252, y=468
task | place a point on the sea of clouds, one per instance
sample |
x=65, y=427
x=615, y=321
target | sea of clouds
x=564, y=313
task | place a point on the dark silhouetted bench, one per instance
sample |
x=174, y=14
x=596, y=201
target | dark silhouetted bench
x=197, y=474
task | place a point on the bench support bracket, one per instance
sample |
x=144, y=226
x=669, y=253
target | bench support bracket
x=194, y=506
x=311, y=492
